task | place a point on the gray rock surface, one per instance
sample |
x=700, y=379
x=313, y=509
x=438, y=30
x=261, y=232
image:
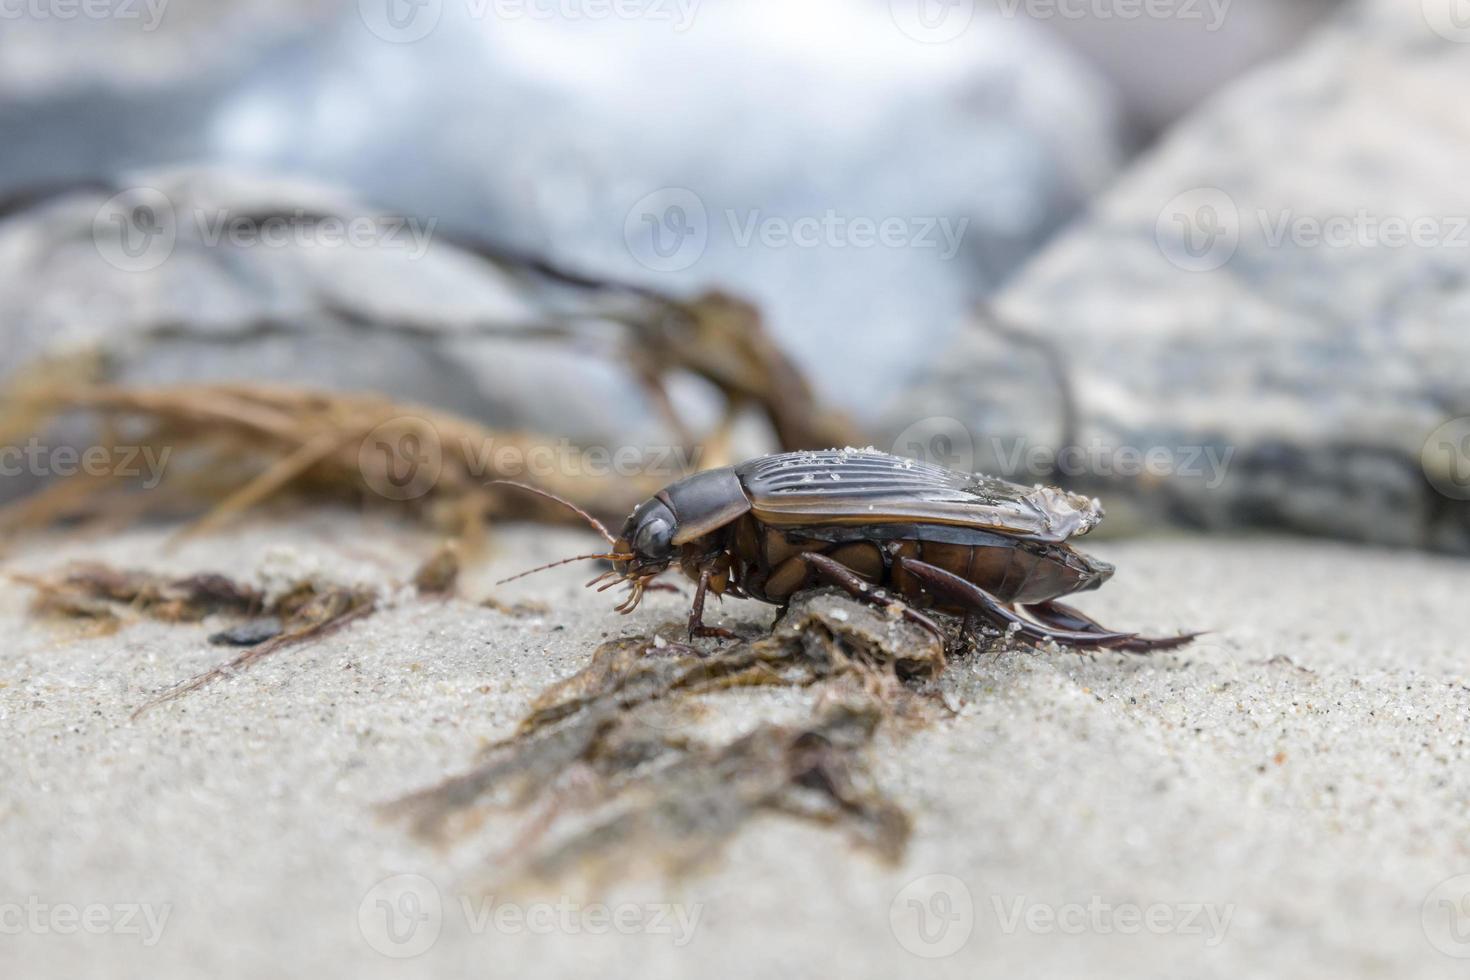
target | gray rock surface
x=1283, y=281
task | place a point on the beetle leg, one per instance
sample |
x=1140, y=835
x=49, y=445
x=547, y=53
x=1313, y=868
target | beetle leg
x=1062, y=616
x=966, y=593
x=854, y=585
x=696, y=612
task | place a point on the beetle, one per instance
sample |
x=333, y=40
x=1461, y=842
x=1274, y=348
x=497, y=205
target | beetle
x=896, y=532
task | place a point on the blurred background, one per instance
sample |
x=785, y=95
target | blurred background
x=1205, y=258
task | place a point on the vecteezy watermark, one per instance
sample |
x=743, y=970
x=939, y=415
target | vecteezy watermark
x=1450, y=19
x=670, y=229
x=933, y=916
x=1363, y=229
x=947, y=442
x=141, y=919
x=1211, y=13
x=406, y=21
x=667, y=230
x=403, y=915
x=147, y=14
x=1445, y=916
x=1446, y=458
x=139, y=228
x=37, y=459
x=1201, y=229
x=932, y=21
x=403, y=458
x=1099, y=916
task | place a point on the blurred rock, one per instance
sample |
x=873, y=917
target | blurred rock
x=160, y=280
x=199, y=277
x=831, y=161
x=1282, y=284
x=1164, y=66
x=126, y=47
x=94, y=89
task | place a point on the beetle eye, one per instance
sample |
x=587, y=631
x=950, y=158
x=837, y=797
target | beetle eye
x=654, y=538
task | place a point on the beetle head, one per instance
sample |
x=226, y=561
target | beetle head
x=648, y=536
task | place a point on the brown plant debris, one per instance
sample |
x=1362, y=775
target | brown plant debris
x=104, y=596
x=97, y=592
x=227, y=448
x=613, y=777
x=439, y=574
x=314, y=611
x=721, y=338
x=519, y=608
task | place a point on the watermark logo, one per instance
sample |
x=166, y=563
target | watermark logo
x=834, y=229
x=402, y=916
x=301, y=229
x=35, y=458
x=136, y=230
x=1099, y=916
x=938, y=440
x=407, y=21
x=1445, y=916
x=1363, y=229
x=1199, y=230
x=1211, y=13
x=933, y=916
x=947, y=442
x=668, y=230
x=402, y=458
x=678, y=13
x=1446, y=458
x=1450, y=19
x=39, y=918
x=932, y=21
x=147, y=14
x=400, y=21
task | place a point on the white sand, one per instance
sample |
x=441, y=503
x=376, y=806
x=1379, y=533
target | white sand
x=1301, y=776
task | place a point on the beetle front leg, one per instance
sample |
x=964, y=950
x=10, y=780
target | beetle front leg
x=696, y=613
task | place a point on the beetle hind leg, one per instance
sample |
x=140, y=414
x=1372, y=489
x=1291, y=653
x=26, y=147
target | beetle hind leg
x=966, y=594
x=838, y=574
x=1060, y=616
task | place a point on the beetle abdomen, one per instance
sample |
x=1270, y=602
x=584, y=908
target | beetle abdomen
x=1013, y=570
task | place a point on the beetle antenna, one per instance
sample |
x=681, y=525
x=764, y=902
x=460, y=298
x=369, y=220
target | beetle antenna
x=596, y=524
x=565, y=561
